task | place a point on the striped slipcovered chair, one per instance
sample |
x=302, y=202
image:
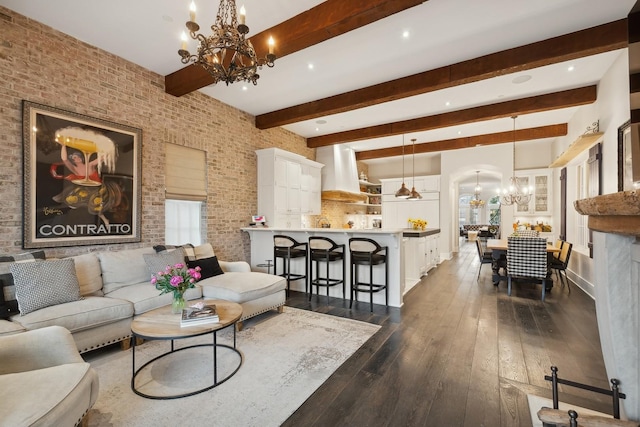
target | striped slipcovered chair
x=527, y=258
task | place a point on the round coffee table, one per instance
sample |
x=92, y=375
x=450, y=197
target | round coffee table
x=162, y=324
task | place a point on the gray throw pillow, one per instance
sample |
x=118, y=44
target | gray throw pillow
x=45, y=283
x=8, y=302
x=158, y=262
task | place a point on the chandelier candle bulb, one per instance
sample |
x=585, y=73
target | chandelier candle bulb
x=271, y=44
x=184, y=40
x=192, y=12
x=243, y=16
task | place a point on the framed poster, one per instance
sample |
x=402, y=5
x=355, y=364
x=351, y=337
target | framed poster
x=625, y=172
x=81, y=180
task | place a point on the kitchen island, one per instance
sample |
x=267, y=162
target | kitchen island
x=394, y=239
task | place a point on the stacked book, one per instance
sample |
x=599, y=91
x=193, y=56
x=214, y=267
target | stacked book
x=199, y=316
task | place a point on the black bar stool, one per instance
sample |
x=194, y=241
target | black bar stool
x=323, y=249
x=287, y=248
x=368, y=252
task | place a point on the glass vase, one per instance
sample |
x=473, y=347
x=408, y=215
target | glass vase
x=178, y=303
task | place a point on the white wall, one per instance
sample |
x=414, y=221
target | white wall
x=612, y=110
x=391, y=167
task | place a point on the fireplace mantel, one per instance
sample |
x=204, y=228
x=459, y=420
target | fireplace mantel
x=617, y=213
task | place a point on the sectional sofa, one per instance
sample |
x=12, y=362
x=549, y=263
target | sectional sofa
x=96, y=295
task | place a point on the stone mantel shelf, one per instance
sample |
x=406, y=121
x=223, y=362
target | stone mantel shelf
x=613, y=213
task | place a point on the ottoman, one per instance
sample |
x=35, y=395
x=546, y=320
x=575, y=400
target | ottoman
x=256, y=292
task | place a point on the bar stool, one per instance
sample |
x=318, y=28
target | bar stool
x=368, y=252
x=287, y=248
x=323, y=249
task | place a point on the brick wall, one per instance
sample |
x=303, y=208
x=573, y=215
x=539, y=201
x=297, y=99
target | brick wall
x=45, y=66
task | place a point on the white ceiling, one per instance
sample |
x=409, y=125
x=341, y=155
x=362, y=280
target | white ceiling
x=442, y=32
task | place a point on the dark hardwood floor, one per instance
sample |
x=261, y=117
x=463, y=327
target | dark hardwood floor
x=460, y=352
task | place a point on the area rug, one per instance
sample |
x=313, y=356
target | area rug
x=537, y=402
x=287, y=356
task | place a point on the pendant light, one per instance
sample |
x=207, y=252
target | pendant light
x=403, y=192
x=477, y=202
x=414, y=194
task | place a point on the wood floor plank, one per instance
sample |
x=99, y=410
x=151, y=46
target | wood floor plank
x=460, y=352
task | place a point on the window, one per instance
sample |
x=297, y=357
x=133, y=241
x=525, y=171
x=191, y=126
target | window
x=494, y=210
x=185, y=192
x=182, y=222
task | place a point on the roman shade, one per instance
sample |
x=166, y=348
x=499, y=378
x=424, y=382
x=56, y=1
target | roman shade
x=185, y=174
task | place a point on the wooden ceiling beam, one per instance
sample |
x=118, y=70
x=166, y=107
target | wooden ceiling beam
x=550, y=131
x=533, y=104
x=602, y=38
x=329, y=19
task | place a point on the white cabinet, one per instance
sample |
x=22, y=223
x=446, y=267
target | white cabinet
x=423, y=184
x=310, y=190
x=540, y=182
x=432, y=251
x=288, y=186
x=396, y=212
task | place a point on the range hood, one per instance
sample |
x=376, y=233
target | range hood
x=339, y=174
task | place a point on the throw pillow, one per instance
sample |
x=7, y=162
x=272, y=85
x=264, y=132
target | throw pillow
x=158, y=262
x=46, y=283
x=188, y=250
x=209, y=267
x=8, y=302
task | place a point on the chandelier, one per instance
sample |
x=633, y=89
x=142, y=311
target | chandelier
x=476, y=202
x=225, y=54
x=515, y=194
x=403, y=192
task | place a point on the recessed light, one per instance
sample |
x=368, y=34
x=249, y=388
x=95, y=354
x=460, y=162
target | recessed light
x=405, y=34
x=521, y=79
x=571, y=68
x=447, y=103
x=245, y=88
x=310, y=66
x=459, y=132
x=317, y=129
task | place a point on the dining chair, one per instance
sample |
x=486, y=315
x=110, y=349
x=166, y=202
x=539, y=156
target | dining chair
x=485, y=257
x=527, y=259
x=557, y=244
x=560, y=264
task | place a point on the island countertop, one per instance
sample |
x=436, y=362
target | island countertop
x=406, y=232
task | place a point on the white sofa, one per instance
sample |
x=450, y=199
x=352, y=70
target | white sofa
x=115, y=286
x=43, y=380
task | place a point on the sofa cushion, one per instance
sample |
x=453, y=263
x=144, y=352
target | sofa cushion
x=187, y=248
x=158, y=262
x=9, y=328
x=79, y=315
x=89, y=274
x=209, y=267
x=204, y=250
x=123, y=268
x=45, y=283
x=191, y=253
x=241, y=287
x=145, y=297
x=8, y=302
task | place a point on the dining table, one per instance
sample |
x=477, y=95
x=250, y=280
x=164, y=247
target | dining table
x=499, y=249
